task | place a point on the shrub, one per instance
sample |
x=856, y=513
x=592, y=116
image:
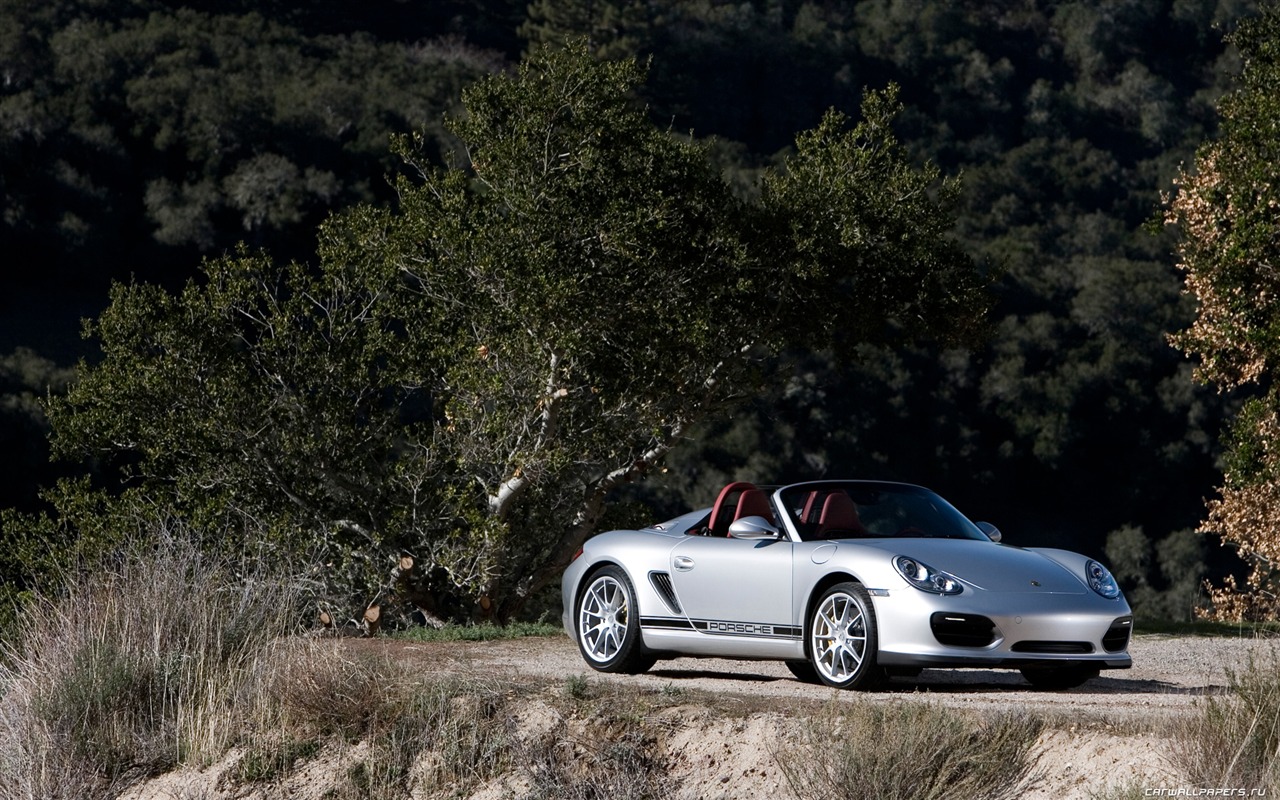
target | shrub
x=622, y=766
x=1234, y=740
x=139, y=665
x=908, y=749
x=437, y=733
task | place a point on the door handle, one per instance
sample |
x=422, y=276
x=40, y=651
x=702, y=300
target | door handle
x=683, y=563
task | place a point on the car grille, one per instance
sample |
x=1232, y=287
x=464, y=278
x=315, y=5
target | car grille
x=1117, y=637
x=662, y=585
x=962, y=630
x=1031, y=646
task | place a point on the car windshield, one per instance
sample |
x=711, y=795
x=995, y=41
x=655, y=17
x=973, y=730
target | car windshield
x=848, y=509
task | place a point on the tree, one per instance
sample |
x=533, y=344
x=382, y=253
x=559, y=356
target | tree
x=467, y=378
x=1228, y=210
x=134, y=131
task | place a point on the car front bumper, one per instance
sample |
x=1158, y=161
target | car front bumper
x=1011, y=630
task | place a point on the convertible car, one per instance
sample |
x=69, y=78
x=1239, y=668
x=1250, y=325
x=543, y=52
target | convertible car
x=849, y=583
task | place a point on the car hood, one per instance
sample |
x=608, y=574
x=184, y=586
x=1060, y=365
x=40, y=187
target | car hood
x=988, y=565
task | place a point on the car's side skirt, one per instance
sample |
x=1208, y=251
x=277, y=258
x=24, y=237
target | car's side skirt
x=715, y=627
x=722, y=638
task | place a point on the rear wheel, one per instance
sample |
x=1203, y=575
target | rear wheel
x=608, y=625
x=843, y=639
x=1067, y=677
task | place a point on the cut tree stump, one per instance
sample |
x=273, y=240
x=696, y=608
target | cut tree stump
x=372, y=619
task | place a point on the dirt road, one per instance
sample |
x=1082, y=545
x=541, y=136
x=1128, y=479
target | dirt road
x=717, y=718
x=1168, y=674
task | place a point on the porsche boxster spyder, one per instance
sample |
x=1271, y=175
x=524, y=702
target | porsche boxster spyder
x=849, y=583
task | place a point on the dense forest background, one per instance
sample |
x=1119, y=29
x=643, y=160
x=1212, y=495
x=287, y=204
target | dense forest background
x=137, y=137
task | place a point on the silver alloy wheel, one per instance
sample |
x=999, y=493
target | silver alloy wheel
x=602, y=618
x=839, y=637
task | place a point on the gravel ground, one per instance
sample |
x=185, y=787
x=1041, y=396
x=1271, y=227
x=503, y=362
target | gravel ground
x=1168, y=674
x=1108, y=738
x=1104, y=739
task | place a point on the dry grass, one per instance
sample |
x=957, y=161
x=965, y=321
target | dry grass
x=1234, y=740
x=135, y=668
x=604, y=747
x=172, y=657
x=417, y=734
x=561, y=766
x=866, y=749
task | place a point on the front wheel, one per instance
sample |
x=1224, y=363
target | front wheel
x=608, y=625
x=843, y=639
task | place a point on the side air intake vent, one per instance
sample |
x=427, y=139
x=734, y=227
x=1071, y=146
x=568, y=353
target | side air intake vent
x=662, y=585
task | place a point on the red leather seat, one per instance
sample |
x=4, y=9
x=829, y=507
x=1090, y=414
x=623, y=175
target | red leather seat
x=839, y=517
x=753, y=503
x=737, y=500
x=722, y=513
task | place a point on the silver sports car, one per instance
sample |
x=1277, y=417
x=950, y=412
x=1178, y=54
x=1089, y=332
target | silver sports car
x=848, y=582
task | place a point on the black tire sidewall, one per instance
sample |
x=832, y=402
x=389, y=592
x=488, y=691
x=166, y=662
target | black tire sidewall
x=869, y=673
x=630, y=656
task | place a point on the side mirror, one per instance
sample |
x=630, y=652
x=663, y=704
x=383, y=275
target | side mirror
x=992, y=532
x=753, y=528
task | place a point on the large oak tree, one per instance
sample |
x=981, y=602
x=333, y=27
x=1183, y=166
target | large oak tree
x=467, y=377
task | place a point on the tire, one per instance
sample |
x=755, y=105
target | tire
x=608, y=625
x=804, y=671
x=842, y=638
x=1055, y=678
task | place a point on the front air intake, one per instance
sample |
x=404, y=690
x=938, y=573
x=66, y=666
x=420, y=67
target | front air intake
x=1070, y=648
x=1117, y=636
x=962, y=630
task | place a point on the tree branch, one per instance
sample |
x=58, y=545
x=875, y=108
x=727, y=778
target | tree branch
x=501, y=501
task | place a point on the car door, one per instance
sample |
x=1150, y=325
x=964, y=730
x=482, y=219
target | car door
x=734, y=586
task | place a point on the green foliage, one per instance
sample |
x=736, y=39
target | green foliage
x=1161, y=579
x=25, y=379
x=480, y=633
x=1067, y=121
x=859, y=215
x=467, y=378
x=1208, y=627
x=265, y=397
x=129, y=123
x=202, y=128
x=577, y=687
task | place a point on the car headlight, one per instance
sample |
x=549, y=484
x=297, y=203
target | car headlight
x=926, y=578
x=1101, y=580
